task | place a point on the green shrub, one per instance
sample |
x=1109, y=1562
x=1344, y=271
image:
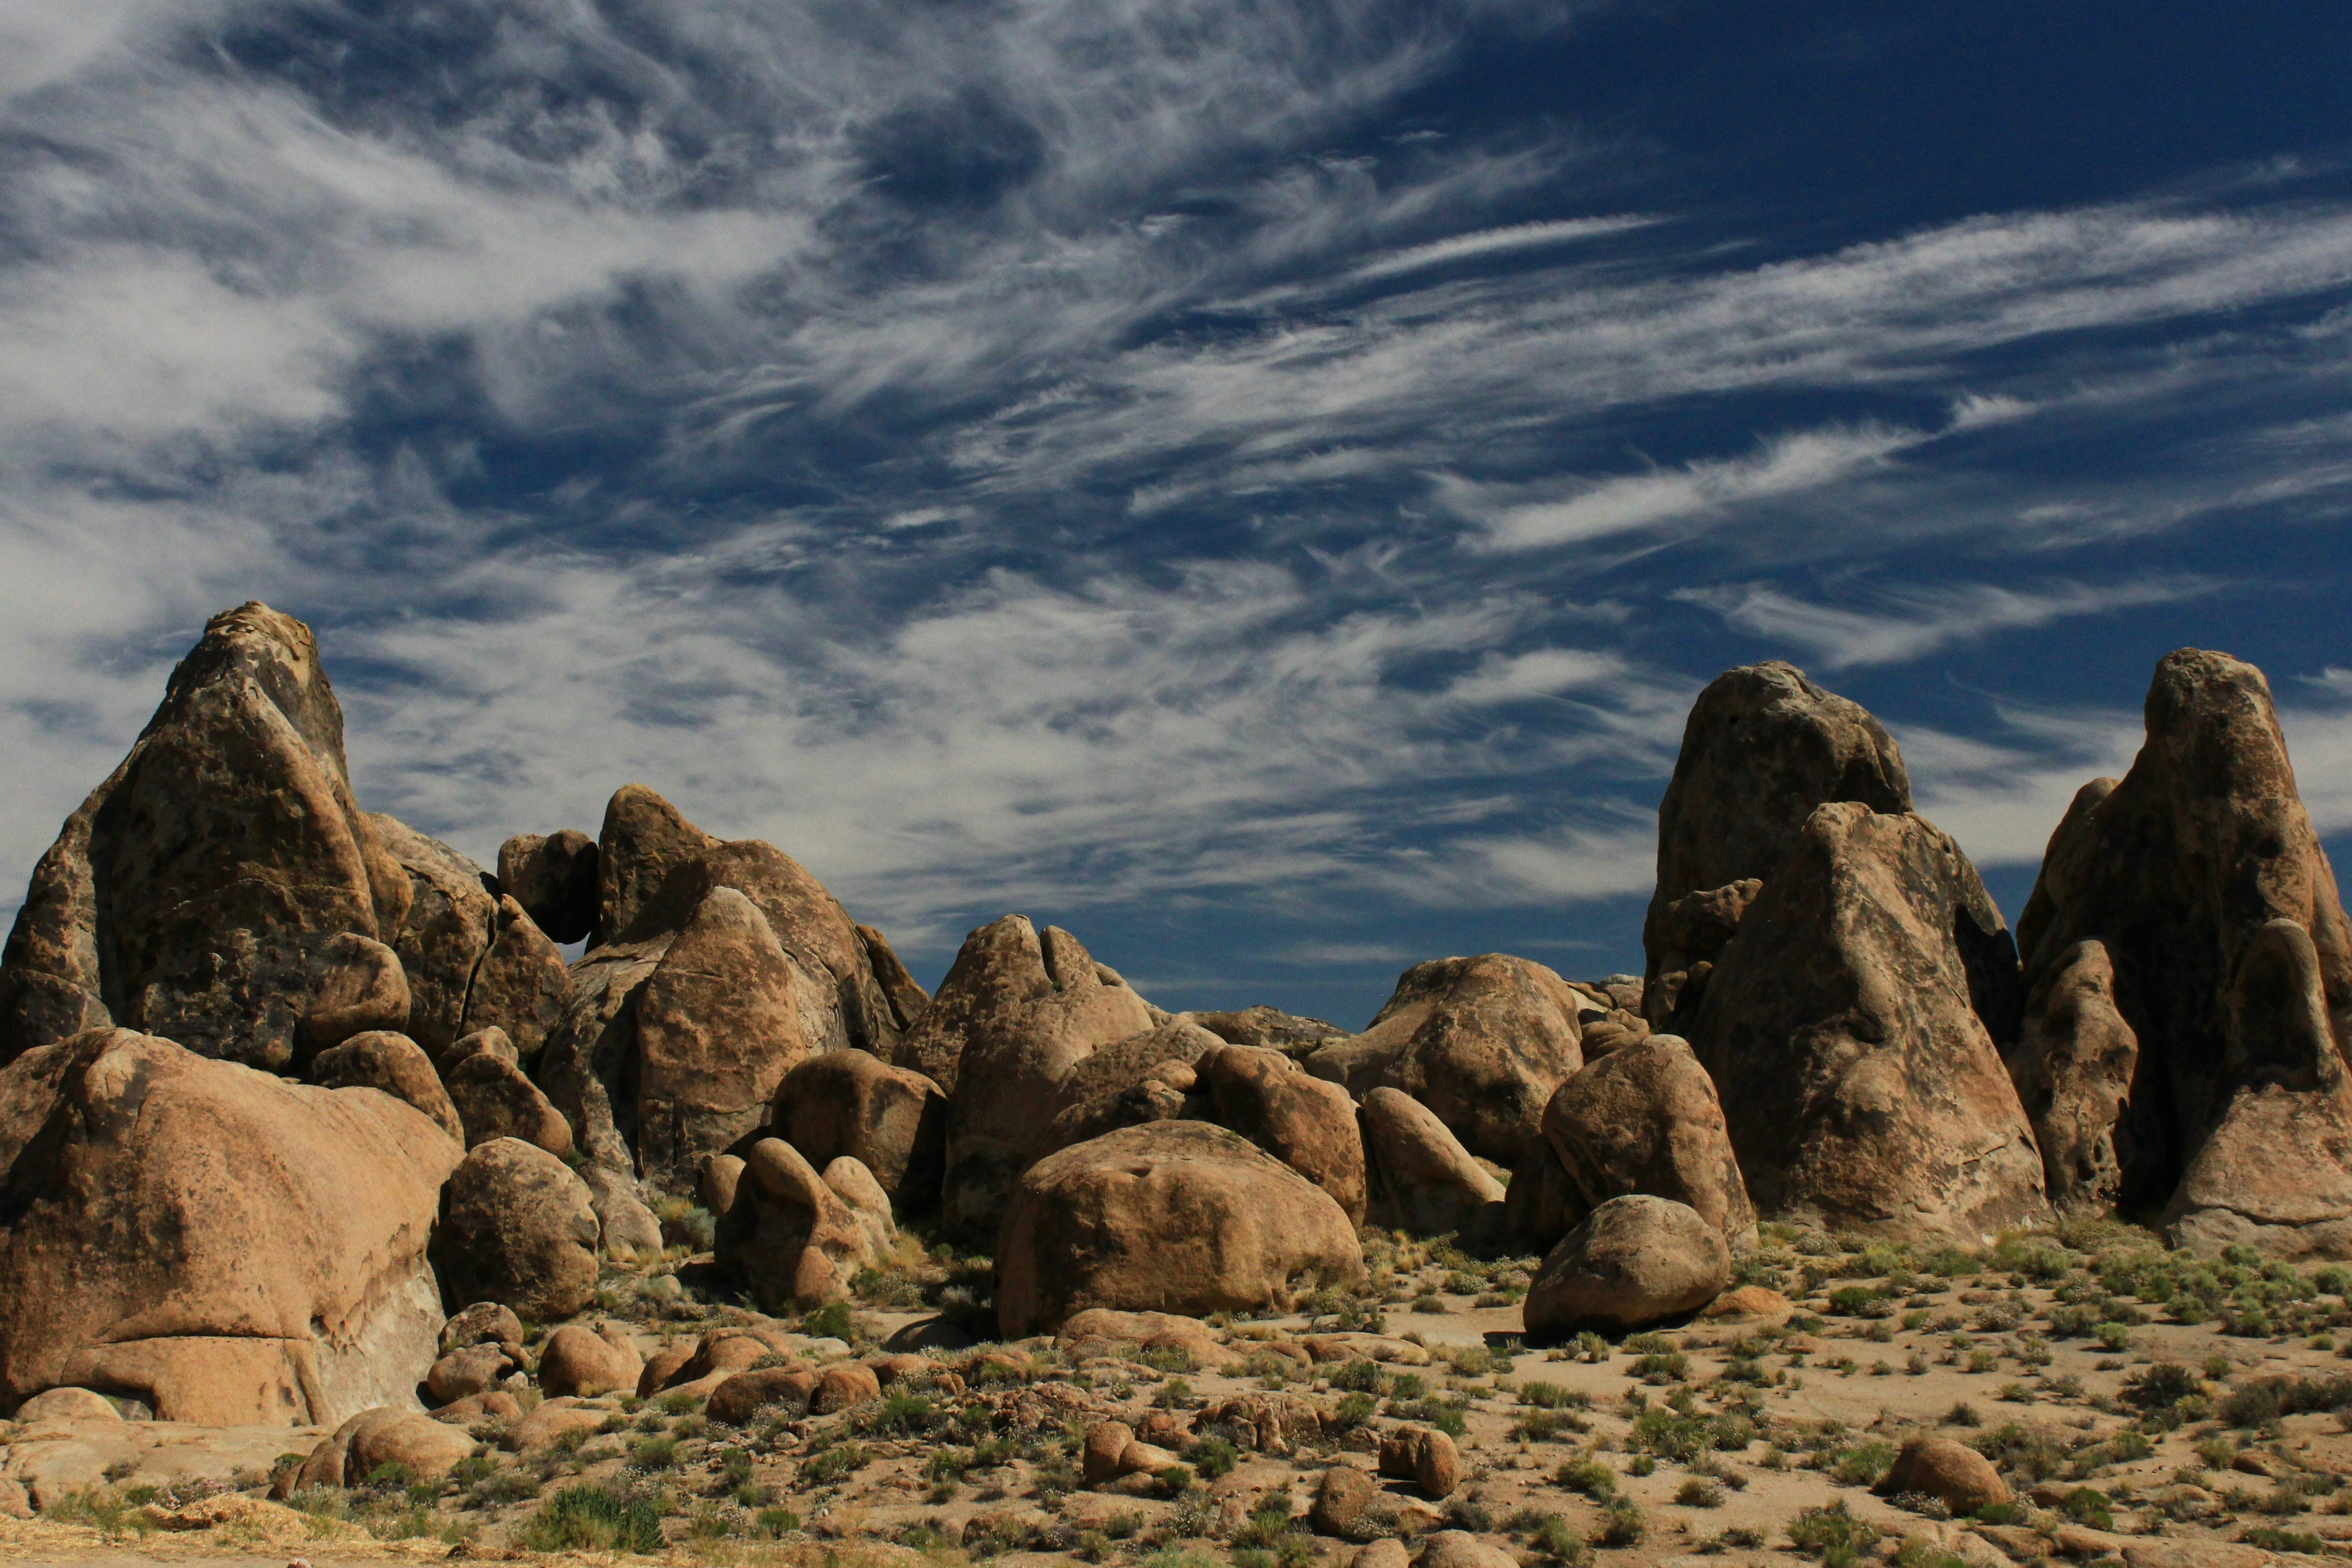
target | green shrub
x=1832, y=1534
x=830, y=1321
x=1862, y=1465
x=2088, y=1505
x=590, y=1519
x=1214, y=1458
x=1590, y=1477
x=1621, y=1524
x=1848, y=1301
x=1699, y=1492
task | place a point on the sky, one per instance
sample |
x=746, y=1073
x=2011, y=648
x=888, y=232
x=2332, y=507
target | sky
x=1255, y=483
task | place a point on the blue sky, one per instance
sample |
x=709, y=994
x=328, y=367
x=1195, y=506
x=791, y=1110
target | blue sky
x=1257, y=484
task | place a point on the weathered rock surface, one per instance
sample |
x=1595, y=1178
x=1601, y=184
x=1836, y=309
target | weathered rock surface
x=2179, y=877
x=1957, y=1475
x=229, y=1246
x=362, y=990
x=1483, y=1042
x=907, y=998
x=891, y=1120
x=1150, y=1076
x=553, y=878
x=495, y=1099
x=198, y=892
x=1845, y=1027
x=1302, y=1120
x=521, y=985
x=442, y=937
x=1542, y=1203
x=720, y=1021
x=396, y=1064
x=1762, y=748
x=420, y=1446
x=1270, y=1029
x=517, y=1228
x=1423, y=1180
x=1645, y=1118
x=1172, y=1217
x=580, y=1361
x=1635, y=1260
x=1015, y=1014
x=790, y=1237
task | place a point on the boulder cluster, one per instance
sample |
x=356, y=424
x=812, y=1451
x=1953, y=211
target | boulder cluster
x=304, y=1115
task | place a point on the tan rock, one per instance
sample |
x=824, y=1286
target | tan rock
x=1743, y=1303
x=442, y=937
x=1307, y=1123
x=1483, y=1042
x=491, y=1405
x=2073, y=1065
x=545, y=1427
x=1846, y=1034
x=2179, y=1552
x=716, y=1181
x=1388, y=1552
x=1140, y=1459
x=1105, y=1442
x=1645, y=1118
x=893, y=1119
x=1426, y=1457
x=1176, y=1216
x=1635, y=1260
x=1098, y=1329
x=1460, y=1549
x=553, y=878
x=792, y=1239
x=1015, y=1014
x=482, y=1323
x=476, y=1369
x=1962, y=1478
x=1423, y=1180
x=627, y=1228
x=1762, y=748
x=721, y=1020
x=1343, y=1495
x=1150, y=1076
x=665, y=1365
x=584, y=1362
x=362, y=990
x=844, y=1384
x=67, y=1405
x=907, y=1000
x=516, y=1227
x=229, y=1246
x=395, y=1064
x=853, y=1185
x=645, y=838
x=373, y=1440
x=521, y=984
x=745, y=1396
x=495, y=1099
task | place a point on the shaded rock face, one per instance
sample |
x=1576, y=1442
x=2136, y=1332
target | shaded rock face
x=197, y=891
x=225, y=1245
x=1014, y=1016
x=553, y=878
x=893, y=1121
x=1307, y=1123
x=791, y=1238
x=1845, y=1028
x=1481, y=1041
x=807, y=984
x=1172, y=1217
x=517, y=1228
x=494, y=1098
x=1423, y=1179
x=2157, y=920
x=1150, y=1076
x=1645, y=1118
x=1762, y=748
x=1270, y=1029
x=1635, y=1260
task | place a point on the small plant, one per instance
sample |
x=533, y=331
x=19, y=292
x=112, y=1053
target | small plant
x=1590, y=1477
x=1832, y=1534
x=1214, y=1458
x=1699, y=1492
x=1554, y=1539
x=1963, y=1414
x=830, y=1321
x=590, y=1518
x=1621, y=1524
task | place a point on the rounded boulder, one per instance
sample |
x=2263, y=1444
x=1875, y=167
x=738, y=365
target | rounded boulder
x=518, y=1229
x=1636, y=1259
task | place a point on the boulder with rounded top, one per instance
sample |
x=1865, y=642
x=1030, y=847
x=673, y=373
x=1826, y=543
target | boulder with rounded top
x=553, y=878
x=1302, y=1120
x=1146, y=1077
x=1481, y=1041
x=1173, y=1217
x=1645, y=1118
x=580, y=1361
x=1423, y=1179
x=892, y=1120
x=395, y=1064
x=494, y=1098
x=792, y=1239
x=1634, y=1261
x=516, y=1227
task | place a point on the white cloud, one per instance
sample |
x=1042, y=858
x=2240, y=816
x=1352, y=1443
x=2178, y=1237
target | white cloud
x=1498, y=242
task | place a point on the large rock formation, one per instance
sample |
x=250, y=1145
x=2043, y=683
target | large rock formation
x=1307, y=1123
x=1645, y=1118
x=1635, y=1260
x=1013, y=1016
x=1423, y=1180
x=1171, y=1216
x=553, y=878
x=893, y=1121
x=2190, y=972
x=792, y=1236
x=1149, y=1076
x=738, y=1008
x=1481, y=1041
x=517, y=1228
x=228, y=1247
x=1845, y=1027
x=198, y=892
x=1763, y=746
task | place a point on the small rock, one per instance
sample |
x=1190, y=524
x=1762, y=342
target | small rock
x=1964, y=1479
x=67, y=1405
x=1106, y=1441
x=1341, y=1496
x=1460, y=1549
x=579, y=1360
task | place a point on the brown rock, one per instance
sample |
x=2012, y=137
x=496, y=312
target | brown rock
x=1612, y=1031
x=1845, y=1029
x=1014, y=1015
x=2073, y=1065
x=843, y=1385
x=1426, y=1457
x=744, y=1396
x=853, y=1185
x=545, y=1427
x=721, y=1020
x=1423, y=1181
x=626, y=1227
x=395, y=1064
x=1106, y=1441
x=1150, y=1076
x=230, y=1247
x=1387, y=1553
x=1763, y=747
x=1307, y=1123
x=517, y=1228
x=1963, y=1479
x=493, y=1404
x=1645, y=1118
x=1102, y=1328
x=2189, y=1553
x=715, y=1182
x=521, y=984
x=2187, y=875
x=1750, y=1301
x=362, y=989
x=1541, y=1202
x=581, y=1362
x=1140, y=1459
x=441, y=938
x=482, y=1323
x=1175, y=1216
x=1342, y=1496
x=553, y=879
x=199, y=891
x=1460, y=1549
x=1635, y=1260
x=67, y=1405
x=494, y=1098
x=1269, y=1030
x=362, y=1445
x=907, y=1000
x=1483, y=1042
x=644, y=839
x=792, y=1239
x=476, y=1369
x=15, y=1501
x=892, y=1120
x=664, y=1365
